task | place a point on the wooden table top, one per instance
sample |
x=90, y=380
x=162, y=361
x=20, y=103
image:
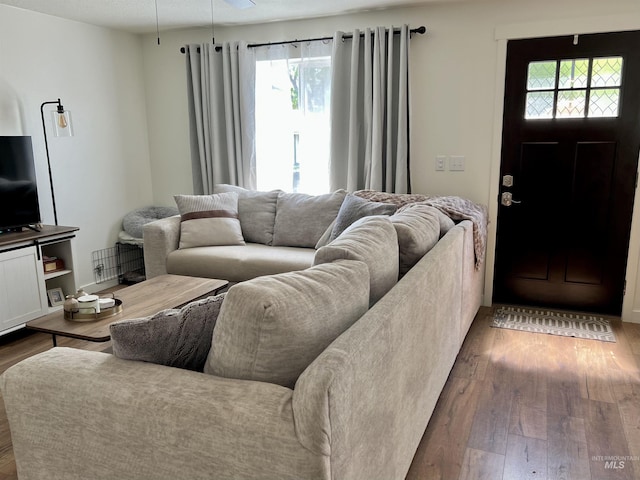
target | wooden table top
x=139, y=300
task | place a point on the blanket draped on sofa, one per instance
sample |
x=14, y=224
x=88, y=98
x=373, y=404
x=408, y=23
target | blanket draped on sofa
x=457, y=208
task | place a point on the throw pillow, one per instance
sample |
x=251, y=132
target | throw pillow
x=177, y=337
x=354, y=208
x=271, y=328
x=301, y=219
x=326, y=236
x=372, y=240
x=208, y=220
x=256, y=210
x=418, y=229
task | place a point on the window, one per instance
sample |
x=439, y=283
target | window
x=292, y=119
x=574, y=88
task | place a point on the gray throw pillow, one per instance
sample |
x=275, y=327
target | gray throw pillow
x=326, y=236
x=256, y=210
x=176, y=337
x=301, y=219
x=272, y=327
x=354, y=208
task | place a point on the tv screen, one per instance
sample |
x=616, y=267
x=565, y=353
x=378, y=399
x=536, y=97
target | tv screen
x=18, y=192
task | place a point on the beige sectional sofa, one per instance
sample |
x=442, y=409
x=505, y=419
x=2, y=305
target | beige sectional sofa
x=330, y=372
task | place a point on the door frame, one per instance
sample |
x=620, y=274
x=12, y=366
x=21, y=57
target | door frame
x=561, y=27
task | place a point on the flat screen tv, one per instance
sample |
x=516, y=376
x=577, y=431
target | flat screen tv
x=18, y=191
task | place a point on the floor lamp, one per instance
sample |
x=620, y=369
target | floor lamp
x=61, y=128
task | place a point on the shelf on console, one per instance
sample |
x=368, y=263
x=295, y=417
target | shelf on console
x=59, y=273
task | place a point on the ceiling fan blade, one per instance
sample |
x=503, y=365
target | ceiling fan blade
x=241, y=3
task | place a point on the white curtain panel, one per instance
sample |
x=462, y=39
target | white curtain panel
x=370, y=111
x=221, y=84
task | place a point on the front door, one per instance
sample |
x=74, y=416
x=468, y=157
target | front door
x=571, y=138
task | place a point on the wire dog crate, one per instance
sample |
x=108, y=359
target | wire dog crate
x=124, y=262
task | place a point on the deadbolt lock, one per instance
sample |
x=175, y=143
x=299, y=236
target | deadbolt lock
x=507, y=181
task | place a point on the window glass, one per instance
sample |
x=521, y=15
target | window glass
x=571, y=103
x=542, y=76
x=292, y=124
x=607, y=72
x=584, y=88
x=539, y=105
x=604, y=102
x=574, y=73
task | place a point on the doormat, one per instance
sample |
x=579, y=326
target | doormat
x=554, y=323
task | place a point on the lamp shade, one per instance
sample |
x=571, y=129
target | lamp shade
x=62, y=126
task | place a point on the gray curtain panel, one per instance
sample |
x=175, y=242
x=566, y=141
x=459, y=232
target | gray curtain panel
x=370, y=111
x=221, y=86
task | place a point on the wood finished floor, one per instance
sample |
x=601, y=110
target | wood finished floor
x=516, y=406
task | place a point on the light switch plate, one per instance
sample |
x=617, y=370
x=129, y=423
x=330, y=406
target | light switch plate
x=441, y=161
x=456, y=163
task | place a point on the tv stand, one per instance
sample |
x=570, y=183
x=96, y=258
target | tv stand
x=35, y=228
x=24, y=283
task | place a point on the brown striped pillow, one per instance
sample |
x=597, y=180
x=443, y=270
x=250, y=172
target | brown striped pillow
x=209, y=220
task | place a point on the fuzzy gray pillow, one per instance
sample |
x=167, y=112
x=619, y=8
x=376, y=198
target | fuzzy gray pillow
x=176, y=337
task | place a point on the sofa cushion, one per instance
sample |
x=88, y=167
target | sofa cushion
x=372, y=240
x=271, y=328
x=209, y=220
x=418, y=229
x=446, y=223
x=237, y=263
x=301, y=219
x=176, y=337
x=354, y=208
x=256, y=210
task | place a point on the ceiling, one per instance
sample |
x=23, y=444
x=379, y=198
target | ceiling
x=139, y=16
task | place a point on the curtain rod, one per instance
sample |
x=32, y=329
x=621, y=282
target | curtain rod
x=421, y=30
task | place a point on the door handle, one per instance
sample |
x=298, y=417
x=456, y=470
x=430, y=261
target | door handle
x=507, y=199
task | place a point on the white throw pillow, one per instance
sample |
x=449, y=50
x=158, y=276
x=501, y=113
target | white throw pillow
x=209, y=220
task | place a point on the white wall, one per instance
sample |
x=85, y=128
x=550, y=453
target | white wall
x=453, y=80
x=102, y=172
x=457, y=79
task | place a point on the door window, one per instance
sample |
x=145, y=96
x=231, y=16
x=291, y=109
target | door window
x=574, y=88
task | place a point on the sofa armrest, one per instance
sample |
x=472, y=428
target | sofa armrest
x=77, y=414
x=160, y=237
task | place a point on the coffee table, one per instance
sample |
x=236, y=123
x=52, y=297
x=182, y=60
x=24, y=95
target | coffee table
x=139, y=300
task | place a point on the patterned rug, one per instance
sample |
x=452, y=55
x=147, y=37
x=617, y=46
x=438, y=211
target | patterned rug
x=554, y=323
